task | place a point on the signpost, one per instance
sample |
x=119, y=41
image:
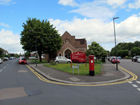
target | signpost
x=73, y=67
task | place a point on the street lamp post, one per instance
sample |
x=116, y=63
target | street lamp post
x=115, y=41
x=35, y=45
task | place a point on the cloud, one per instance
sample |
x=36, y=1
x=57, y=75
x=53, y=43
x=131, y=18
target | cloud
x=10, y=41
x=116, y=3
x=94, y=12
x=14, y=3
x=94, y=9
x=5, y=25
x=135, y=5
x=6, y=2
x=67, y=2
x=100, y=31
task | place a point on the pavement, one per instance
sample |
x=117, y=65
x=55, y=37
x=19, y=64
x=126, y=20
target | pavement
x=109, y=75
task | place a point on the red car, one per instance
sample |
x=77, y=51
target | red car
x=22, y=61
x=113, y=60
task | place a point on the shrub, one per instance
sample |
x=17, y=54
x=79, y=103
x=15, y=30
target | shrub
x=127, y=57
x=52, y=63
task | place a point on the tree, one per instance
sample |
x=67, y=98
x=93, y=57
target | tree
x=135, y=51
x=41, y=36
x=16, y=55
x=27, y=54
x=1, y=52
x=122, y=53
x=137, y=43
x=130, y=46
x=96, y=50
x=122, y=46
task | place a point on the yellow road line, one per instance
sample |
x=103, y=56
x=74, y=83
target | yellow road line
x=134, y=77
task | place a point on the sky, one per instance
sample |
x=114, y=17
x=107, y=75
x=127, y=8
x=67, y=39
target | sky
x=89, y=19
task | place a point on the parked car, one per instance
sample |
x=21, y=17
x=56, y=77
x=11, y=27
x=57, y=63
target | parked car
x=10, y=58
x=119, y=58
x=113, y=60
x=1, y=61
x=134, y=59
x=5, y=59
x=22, y=60
x=138, y=60
x=33, y=58
x=61, y=59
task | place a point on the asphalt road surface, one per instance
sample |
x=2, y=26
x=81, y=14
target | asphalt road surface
x=19, y=86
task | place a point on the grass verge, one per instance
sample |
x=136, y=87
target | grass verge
x=83, y=69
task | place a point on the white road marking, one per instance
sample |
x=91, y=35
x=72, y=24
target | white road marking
x=4, y=67
x=138, y=82
x=138, y=89
x=130, y=82
x=134, y=85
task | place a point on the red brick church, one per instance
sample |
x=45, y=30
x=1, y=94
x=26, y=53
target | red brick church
x=70, y=45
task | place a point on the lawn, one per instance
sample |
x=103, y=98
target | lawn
x=83, y=69
x=43, y=61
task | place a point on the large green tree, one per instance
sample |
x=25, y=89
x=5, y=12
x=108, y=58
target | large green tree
x=122, y=47
x=122, y=53
x=96, y=50
x=129, y=46
x=41, y=36
x=135, y=51
x=137, y=43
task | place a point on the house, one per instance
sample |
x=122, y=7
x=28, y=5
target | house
x=5, y=52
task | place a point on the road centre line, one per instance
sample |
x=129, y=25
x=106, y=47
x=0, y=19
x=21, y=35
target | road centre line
x=4, y=68
x=134, y=77
x=138, y=89
x=134, y=85
x=138, y=82
x=130, y=82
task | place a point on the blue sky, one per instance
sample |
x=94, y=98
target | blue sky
x=90, y=19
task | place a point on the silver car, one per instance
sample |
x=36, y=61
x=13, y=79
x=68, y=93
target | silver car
x=61, y=59
x=138, y=60
x=5, y=59
x=1, y=61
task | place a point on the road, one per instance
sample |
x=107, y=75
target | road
x=19, y=86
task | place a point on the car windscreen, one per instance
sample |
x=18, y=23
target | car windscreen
x=23, y=59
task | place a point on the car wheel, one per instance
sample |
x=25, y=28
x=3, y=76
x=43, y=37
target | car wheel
x=57, y=62
x=68, y=62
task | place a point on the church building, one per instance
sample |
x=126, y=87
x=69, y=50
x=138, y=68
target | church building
x=71, y=45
